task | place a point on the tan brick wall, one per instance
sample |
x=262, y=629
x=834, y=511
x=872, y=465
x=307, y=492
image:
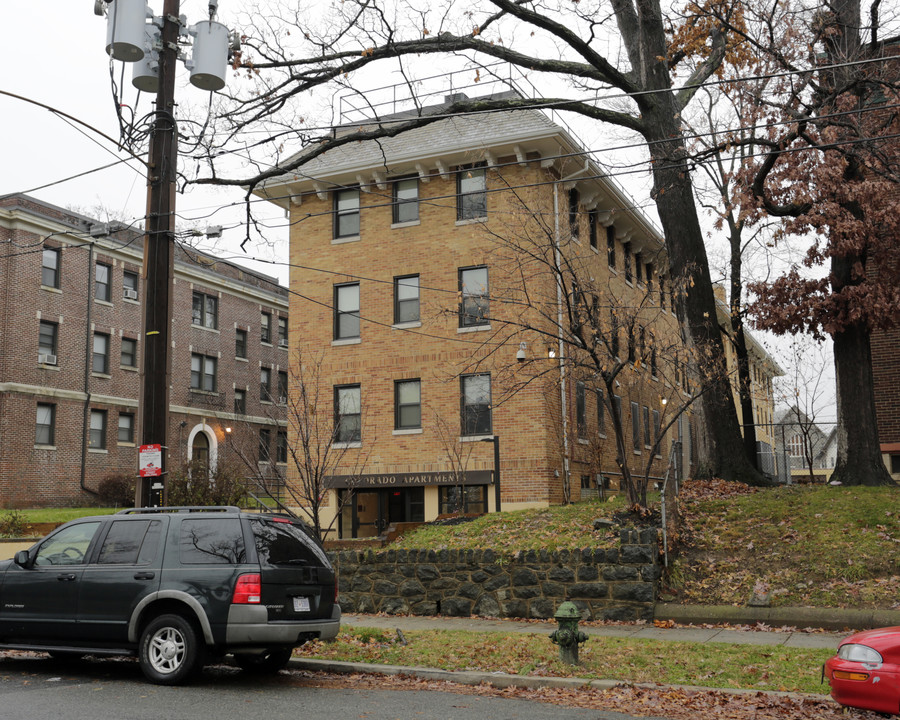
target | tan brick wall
x=528, y=420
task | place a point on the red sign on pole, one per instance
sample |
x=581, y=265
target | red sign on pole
x=151, y=460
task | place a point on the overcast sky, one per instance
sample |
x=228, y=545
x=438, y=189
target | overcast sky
x=55, y=56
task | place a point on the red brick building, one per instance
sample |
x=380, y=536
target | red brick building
x=70, y=356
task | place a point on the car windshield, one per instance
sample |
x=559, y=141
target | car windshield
x=284, y=543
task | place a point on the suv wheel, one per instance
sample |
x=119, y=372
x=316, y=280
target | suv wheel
x=169, y=650
x=271, y=661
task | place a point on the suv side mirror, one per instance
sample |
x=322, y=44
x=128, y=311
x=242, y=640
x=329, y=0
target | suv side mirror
x=21, y=558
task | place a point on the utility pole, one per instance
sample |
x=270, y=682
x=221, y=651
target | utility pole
x=153, y=49
x=159, y=262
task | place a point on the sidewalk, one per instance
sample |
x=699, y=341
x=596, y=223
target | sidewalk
x=817, y=640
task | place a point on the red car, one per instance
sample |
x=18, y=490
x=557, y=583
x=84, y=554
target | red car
x=865, y=673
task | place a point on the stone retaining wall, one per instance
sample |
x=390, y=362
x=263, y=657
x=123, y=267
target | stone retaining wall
x=605, y=584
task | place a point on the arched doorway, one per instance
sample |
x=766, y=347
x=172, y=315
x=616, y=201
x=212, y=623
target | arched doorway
x=202, y=446
x=200, y=450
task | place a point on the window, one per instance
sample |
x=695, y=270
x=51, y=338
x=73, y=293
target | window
x=592, y=228
x=129, y=352
x=657, y=431
x=126, y=428
x=265, y=384
x=646, y=412
x=265, y=328
x=346, y=311
x=662, y=292
x=467, y=499
x=102, y=274
x=614, y=334
x=407, y=404
x=347, y=414
x=240, y=343
x=97, y=437
x=346, y=213
x=265, y=442
x=406, y=299
x=471, y=192
x=203, y=372
x=653, y=362
x=601, y=413
x=212, y=540
x=132, y=542
x=282, y=386
x=240, y=402
x=130, y=285
x=473, y=288
x=47, y=340
x=648, y=276
x=626, y=261
x=638, y=268
x=50, y=268
x=636, y=427
x=282, y=332
x=611, y=246
x=281, y=447
x=406, y=200
x=45, y=424
x=796, y=445
x=632, y=349
x=573, y=213
x=205, y=311
x=585, y=482
x=100, y=361
x=476, y=404
x=580, y=409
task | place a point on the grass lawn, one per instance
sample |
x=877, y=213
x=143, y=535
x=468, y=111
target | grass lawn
x=816, y=546
x=753, y=667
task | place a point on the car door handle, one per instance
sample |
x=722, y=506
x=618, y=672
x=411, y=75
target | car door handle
x=144, y=575
x=65, y=577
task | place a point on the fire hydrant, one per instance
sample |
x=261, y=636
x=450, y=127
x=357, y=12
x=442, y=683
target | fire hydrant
x=567, y=635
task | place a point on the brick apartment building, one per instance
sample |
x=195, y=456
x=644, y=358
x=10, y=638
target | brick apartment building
x=424, y=271
x=70, y=357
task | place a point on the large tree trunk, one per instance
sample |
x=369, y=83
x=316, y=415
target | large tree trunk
x=689, y=267
x=859, y=454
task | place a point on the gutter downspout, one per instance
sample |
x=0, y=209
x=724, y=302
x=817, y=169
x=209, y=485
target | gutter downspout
x=87, y=372
x=559, y=321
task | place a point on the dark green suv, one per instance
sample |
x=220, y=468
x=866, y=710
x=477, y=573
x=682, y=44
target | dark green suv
x=175, y=586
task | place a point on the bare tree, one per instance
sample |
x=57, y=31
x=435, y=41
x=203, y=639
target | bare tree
x=618, y=338
x=804, y=390
x=457, y=454
x=288, y=54
x=320, y=433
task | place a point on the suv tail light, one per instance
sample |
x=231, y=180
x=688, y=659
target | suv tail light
x=247, y=589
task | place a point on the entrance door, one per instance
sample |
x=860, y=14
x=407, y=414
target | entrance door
x=369, y=516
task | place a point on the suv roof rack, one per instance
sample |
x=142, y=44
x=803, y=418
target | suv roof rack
x=180, y=509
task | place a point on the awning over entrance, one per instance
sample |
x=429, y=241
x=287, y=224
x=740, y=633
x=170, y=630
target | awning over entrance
x=387, y=480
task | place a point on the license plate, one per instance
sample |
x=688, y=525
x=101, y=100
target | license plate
x=301, y=604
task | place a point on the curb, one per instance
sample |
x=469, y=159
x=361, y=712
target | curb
x=504, y=680
x=826, y=618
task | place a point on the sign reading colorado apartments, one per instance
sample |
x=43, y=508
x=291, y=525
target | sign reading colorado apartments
x=375, y=480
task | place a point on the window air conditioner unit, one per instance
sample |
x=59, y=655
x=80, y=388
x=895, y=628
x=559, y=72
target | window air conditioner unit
x=46, y=359
x=283, y=342
x=283, y=400
x=130, y=294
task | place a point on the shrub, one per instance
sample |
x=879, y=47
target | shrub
x=194, y=484
x=117, y=490
x=13, y=524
